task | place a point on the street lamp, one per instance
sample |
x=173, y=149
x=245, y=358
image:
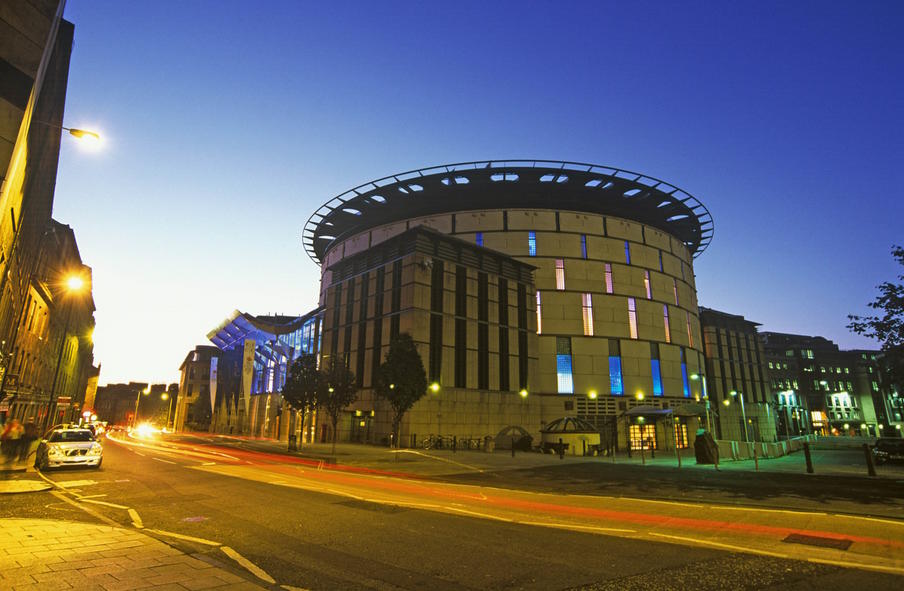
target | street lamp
x=72, y=285
x=743, y=413
x=146, y=391
x=165, y=396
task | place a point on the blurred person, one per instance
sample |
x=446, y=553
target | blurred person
x=10, y=441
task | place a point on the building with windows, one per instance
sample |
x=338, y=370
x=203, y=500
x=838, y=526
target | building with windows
x=197, y=378
x=248, y=369
x=736, y=382
x=838, y=392
x=533, y=290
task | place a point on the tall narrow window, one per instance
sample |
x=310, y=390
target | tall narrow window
x=627, y=252
x=587, y=303
x=461, y=330
x=532, y=243
x=687, y=387
x=660, y=261
x=503, y=335
x=655, y=369
x=616, y=386
x=560, y=274
x=563, y=365
x=539, y=315
x=608, y=278
x=646, y=284
x=478, y=238
x=690, y=334
x=584, y=246
x=665, y=322
x=675, y=290
x=632, y=317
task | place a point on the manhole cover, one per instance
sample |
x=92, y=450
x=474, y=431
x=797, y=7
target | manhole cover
x=837, y=543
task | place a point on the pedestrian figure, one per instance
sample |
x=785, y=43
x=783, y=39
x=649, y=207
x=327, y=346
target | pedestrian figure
x=29, y=436
x=10, y=440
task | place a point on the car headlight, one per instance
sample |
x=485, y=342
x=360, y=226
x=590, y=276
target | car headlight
x=96, y=450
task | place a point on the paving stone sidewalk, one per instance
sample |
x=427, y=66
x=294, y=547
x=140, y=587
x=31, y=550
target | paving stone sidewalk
x=44, y=554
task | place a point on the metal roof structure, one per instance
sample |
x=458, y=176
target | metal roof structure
x=510, y=184
x=240, y=326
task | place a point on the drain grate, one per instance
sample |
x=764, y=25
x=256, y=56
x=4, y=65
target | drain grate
x=836, y=543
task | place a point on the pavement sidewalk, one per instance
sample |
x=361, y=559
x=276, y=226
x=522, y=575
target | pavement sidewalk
x=52, y=554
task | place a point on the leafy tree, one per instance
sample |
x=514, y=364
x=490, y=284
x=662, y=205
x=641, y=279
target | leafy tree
x=888, y=327
x=300, y=389
x=401, y=379
x=337, y=391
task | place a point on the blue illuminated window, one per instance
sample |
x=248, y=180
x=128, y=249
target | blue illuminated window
x=584, y=246
x=532, y=243
x=627, y=252
x=616, y=386
x=563, y=373
x=479, y=238
x=660, y=260
x=687, y=386
x=657, y=377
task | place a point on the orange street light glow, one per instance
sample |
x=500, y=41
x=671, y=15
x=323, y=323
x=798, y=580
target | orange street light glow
x=75, y=283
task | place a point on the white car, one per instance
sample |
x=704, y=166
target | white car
x=69, y=447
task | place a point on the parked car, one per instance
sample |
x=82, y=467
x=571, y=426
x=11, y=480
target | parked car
x=888, y=449
x=69, y=446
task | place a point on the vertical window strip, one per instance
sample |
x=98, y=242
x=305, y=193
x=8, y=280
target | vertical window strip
x=665, y=322
x=647, y=286
x=690, y=335
x=560, y=274
x=608, y=278
x=532, y=243
x=564, y=377
x=587, y=303
x=627, y=252
x=657, y=377
x=616, y=386
x=660, y=261
x=584, y=246
x=632, y=317
x=539, y=315
x=675, y=290
x=687, y=386
x=478, y=238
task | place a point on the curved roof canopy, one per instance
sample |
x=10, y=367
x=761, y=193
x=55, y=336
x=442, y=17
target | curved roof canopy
x=509, y=184
x=240, y=326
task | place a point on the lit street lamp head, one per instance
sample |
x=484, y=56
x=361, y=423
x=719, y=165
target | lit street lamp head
x=74, y=283
x=83, y=134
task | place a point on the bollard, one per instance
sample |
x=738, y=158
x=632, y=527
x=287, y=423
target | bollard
x=808, y=458
x=561, y=449
x=454, y=443
x=678, y=454
x=756, y=459
x=870, y=466
x=583, y=447
x=513, y=446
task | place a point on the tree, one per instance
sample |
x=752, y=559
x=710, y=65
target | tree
x=337, y=391
x=300, y=390
x=887, y=328
x=401, y=379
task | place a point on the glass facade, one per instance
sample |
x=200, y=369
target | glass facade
x=564, y=375
x=532, y=243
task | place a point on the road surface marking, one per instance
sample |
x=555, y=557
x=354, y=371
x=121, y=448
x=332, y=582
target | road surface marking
x=162, y=460
x=743, y=508
x=250, y=566
x=291, y=588
x=208, y=463
x=579, y=527
x=83, y=497
x=139, y=453
x=888, y=521
x=867, y=566
x=114, y=505
x=136, y=519
x=745, y=549
x=477, y=514
x=439, y=459
x=87, y=510
x=75, y=483
x=184, y=537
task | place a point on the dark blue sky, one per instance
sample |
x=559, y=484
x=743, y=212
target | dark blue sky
x=228, y=123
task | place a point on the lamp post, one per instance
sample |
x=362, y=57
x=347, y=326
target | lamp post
x=146, y=391
x=165, y=396
x=73, y=284
x=740, y=396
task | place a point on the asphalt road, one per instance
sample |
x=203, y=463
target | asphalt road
x=317, y=529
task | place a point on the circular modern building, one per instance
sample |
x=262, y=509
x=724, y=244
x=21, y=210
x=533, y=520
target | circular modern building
x=534, y=289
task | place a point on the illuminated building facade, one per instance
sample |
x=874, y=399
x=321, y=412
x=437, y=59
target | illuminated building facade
x=600, y=316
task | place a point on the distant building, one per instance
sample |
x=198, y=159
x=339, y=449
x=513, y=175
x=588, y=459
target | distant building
x=116, y=403
x=736, y=377
x=197, y=374
x=838, y=392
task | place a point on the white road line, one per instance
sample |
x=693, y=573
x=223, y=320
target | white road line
x=136, y=519
x=250, y=566
x=87, y=510
x=83, y=497
x=76, y=483
x=439, y=459
x=876, y=519
x=114, y=505
x=184, y=537
x=477, y=514
x=579, y=527
x=791, y=511
x=164, y=461
x=139, y=453
x=745, y=549
x=291, y=588
x=888, y=569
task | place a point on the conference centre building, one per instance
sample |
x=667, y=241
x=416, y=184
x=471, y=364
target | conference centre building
x=534, y=291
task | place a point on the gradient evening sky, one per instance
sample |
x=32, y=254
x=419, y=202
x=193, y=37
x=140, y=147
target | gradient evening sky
x=228, y=123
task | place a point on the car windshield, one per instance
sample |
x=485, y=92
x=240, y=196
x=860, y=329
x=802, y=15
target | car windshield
x=80, y=435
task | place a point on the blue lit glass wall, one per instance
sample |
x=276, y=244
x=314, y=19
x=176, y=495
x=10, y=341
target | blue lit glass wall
x=532, y=243
x=657, y=377
x=616, y=386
